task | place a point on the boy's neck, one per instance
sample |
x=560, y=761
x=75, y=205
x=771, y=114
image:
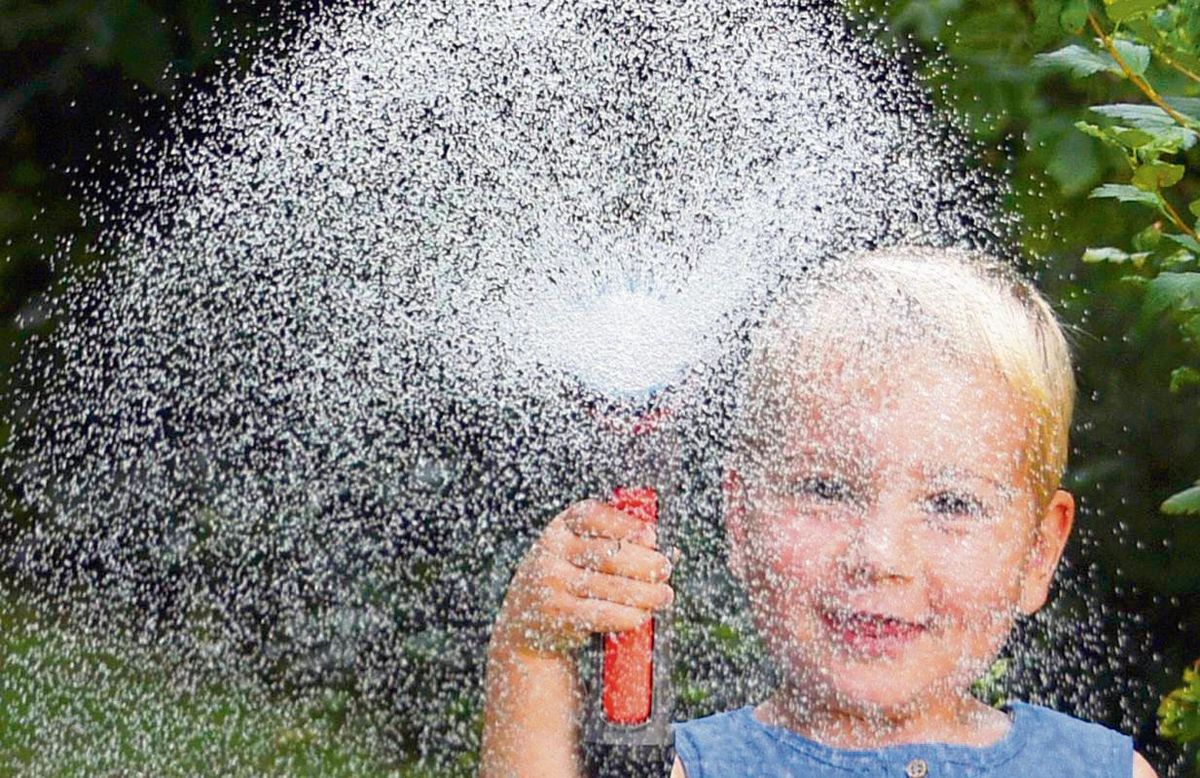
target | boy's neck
x=961, y=720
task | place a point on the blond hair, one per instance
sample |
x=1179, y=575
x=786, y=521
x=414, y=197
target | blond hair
x=970, y=305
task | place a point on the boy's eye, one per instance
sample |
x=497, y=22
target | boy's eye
x=955, y=505
x=826, y=488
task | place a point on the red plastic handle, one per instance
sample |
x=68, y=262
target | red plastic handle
x=628, y=681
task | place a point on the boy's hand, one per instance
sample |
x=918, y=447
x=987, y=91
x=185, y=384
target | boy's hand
x=594, y=569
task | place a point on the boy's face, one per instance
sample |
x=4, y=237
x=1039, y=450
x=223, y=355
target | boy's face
x=888, y=532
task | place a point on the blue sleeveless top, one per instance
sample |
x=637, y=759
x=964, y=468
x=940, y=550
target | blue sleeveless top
x=1040, y=742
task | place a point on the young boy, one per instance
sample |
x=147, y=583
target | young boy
x=892, y=505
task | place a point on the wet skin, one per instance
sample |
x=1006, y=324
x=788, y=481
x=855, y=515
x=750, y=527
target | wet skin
x=887, y=539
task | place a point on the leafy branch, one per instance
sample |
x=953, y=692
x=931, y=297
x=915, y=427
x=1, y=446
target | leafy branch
x=1174, y=64
x=1134, y=78
x=1179, y=712
x=1153, y=137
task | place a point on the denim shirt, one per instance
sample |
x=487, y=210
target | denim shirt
x=1040, y=742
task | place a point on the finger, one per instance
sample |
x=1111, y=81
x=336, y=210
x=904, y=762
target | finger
x=592, y=518
x=591, y=615
x=617, y=557
x=559, y=536
x=625, y=591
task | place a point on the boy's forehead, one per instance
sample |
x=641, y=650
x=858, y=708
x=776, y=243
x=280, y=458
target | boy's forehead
x=921, y=406
x=846, y=376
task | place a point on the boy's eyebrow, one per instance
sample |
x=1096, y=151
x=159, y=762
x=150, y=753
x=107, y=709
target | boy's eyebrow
x=955, y=471
x=842, y=457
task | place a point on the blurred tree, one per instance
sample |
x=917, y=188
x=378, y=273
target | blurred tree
x=82, y=84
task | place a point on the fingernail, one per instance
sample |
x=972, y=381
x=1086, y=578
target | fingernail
x=648, y=536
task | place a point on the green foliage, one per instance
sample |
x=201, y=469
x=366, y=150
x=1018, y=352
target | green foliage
x=1152, y=136
x=73, y=68
x=991, y=687
x=1183, y=377
x=72, y=72
x=126, y=715
x=1179, y=713
x=1079, y=61
x=1186, y=502
x=1115, y=256
x=1127, y=194
x=1127, y=10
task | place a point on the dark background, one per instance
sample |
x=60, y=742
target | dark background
x=84, y=84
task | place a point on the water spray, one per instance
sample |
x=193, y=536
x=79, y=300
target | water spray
x=626, y=350
x=355, y=262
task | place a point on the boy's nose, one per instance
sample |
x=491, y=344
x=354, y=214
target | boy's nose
x=883, y=547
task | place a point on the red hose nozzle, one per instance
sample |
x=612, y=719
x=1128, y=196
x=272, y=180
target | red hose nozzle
x=628, y=681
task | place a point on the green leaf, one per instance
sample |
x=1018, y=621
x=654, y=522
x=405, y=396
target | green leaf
x=1177, y=260
x=1187, y=241
x=1124, y=10
x=990, y=687
x=1148, y=144
x=1194, y=207
x=1145, y=117
x=1169, y=135
x=1153, y=176
x=1182, y=377
x=1179, y=711
x=1136, y=56
x=1185, y=503
x=1191, y=329
x=1172, y=291
x=1115, y=256
x=1074, y=16
x=1134, y=138
x=1105, y=254
x=1167, y=140
x=1082, y=61
x=1077, y=61
x=1190, y=106
x=1125, y=194
x=1142, y=28
x=1148, y=239
x=1096, y=131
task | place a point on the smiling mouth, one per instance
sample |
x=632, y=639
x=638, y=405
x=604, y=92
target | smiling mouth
x=871, y=634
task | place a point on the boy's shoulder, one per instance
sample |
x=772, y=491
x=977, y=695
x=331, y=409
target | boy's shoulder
x=1073, y=745
x=1041, y=741
x=1039, y=720
x=723, y=729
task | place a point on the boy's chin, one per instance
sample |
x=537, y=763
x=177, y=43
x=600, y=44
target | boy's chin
x=878, y=700
x=886, y=691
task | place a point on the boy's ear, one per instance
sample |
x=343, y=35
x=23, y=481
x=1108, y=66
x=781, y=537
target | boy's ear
x=734, y=492
x=1049, y=539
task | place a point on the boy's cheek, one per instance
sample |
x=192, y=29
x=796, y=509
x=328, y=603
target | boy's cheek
x=979, y=578
x=798, y=544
